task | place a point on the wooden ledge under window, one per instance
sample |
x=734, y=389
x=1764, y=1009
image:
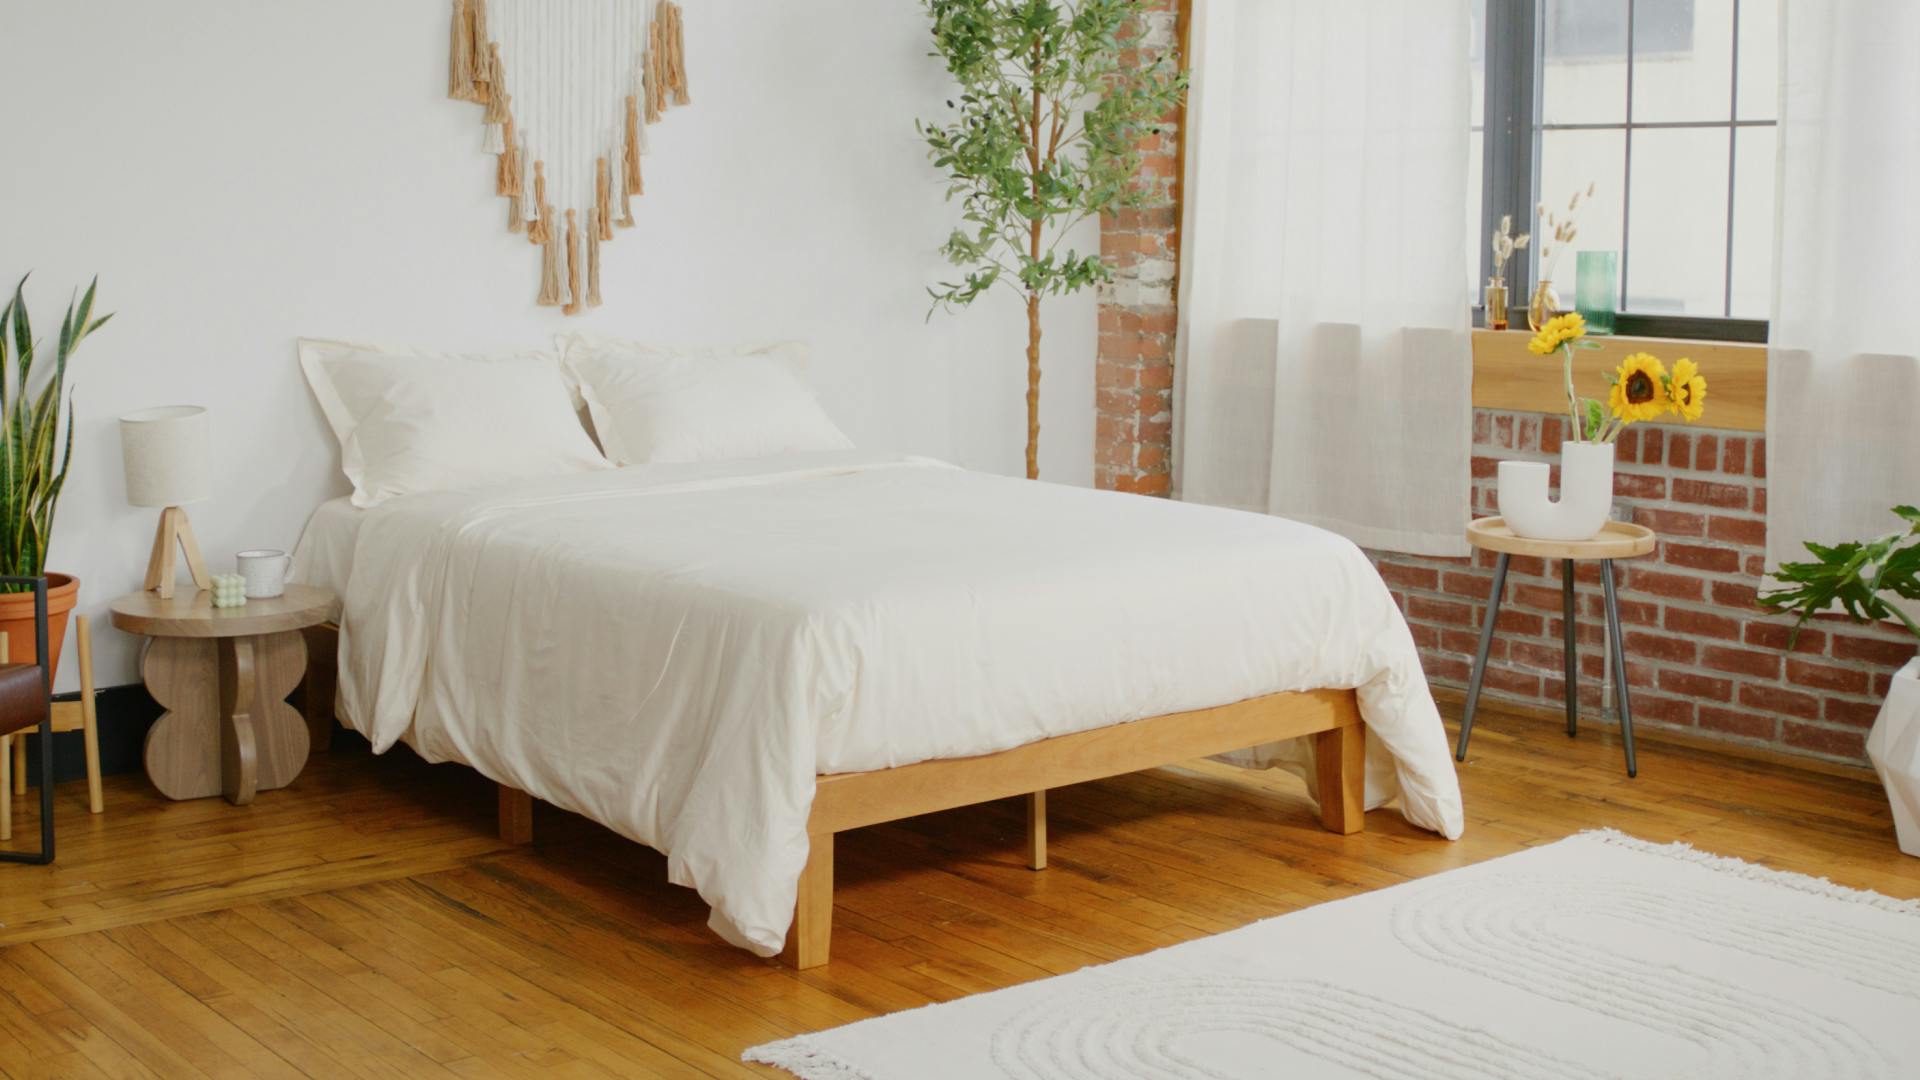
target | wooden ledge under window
x=1507, y=376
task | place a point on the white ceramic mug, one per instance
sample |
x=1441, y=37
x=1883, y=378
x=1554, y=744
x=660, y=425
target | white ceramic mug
x=265, y=570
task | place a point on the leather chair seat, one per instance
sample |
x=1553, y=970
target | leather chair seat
x=23, y=697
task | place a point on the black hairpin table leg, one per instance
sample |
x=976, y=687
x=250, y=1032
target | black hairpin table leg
x=1619, y=664
x=1480, y=658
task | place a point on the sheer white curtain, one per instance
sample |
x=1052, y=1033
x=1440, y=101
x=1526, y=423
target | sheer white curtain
x=1326, y=357
x=1843, y=385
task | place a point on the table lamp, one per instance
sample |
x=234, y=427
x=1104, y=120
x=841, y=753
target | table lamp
x=168, y=464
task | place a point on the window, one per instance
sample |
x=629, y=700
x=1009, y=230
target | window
x=1668, y=109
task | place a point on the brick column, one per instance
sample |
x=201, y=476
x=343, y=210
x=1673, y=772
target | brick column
x=1133, y=407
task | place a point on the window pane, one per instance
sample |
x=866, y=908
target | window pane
x=1682, y=60
x=1759, y=59
x=1584, y=71
x=1753, y=154
x=1569, y=161
x=1677, y=233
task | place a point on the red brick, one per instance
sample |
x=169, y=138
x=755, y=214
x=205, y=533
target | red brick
x=1760, y=459
x=1626, y=448
x=1700, y=557
x=1744, y=531
x=1409, y=577
x=1776, y=635
x=1733, y=594
x=1873, y=650
x=1535, y=655
x=1482, y=466
x=1696, y=686
x=1527, y=436
x=1775, y=700
x=1519, y=622
x=1652, y=446
x=1706, y=453
x=1445, y=612
x=1469, y=586
x=1671, y=586
x=1538, y=597
x=1503, y=431
x=1446, y=669
x=1677, y=712
x=1635, y=486
x=1702, y=624
x=1825, y=677
x=1680, y=449
x=1509, y=681
x=1710, y=493
x=1670, y=522
x=1763, y=665
x=1467, y=643
x=1552, y=434
x=1639, y=675
x=1673, y=650
x=1735, y=722
x=1733, y=457
x=1834, y=741
x=1859, y=714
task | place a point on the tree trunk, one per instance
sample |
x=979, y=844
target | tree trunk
x=1033, y=385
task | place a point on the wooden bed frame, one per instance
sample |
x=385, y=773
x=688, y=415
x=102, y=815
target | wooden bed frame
x=845, y=801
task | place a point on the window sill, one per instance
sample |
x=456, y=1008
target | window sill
x=1507, y=376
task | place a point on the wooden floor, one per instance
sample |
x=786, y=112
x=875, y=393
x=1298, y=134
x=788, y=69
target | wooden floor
x=364, y=922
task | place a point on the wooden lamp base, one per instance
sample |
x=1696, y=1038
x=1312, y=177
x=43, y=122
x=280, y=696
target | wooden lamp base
x=175, y=530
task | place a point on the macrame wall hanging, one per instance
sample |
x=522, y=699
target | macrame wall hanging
x=570, y=87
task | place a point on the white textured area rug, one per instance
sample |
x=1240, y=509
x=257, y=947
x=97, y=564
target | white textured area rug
x=1598, y=956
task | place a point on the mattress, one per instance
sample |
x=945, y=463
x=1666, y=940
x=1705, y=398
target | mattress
x=677, y=651
x=324, y=556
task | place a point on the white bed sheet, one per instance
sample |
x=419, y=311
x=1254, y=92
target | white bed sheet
x=676, y=651
x=324, y=556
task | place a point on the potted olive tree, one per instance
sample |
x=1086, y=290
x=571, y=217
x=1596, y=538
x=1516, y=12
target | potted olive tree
x=1869, y=580
x=35, y=447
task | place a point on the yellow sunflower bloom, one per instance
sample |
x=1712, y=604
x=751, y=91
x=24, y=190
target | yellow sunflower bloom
x=1687, y=390
x=1639, y=389
x=1559, y=330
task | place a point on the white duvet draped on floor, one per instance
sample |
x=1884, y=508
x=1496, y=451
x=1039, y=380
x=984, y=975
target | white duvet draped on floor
x=676, y=651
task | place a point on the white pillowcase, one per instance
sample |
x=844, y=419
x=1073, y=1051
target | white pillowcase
x=653, y=404
x=412, y=421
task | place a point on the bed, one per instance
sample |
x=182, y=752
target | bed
x=734, y=661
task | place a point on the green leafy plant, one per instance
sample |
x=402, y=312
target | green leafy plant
x=33, y=451
x=1044, y=133
x=1858, y=576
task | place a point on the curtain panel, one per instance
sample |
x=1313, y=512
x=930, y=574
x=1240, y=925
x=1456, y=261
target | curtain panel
x=1325, y=346
x=1843, y=384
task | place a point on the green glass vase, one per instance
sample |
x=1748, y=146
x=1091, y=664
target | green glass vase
x=1596, y=289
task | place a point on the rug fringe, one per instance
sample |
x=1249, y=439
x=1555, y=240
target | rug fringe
x=802, y=1060
x=1727, y=864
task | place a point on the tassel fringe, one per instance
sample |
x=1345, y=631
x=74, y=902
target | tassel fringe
x=630, y=160
x=480, y=55
x=601, y=219
x=575, y=292
x=460, y=63
x=597, y=229
x=516, y=213
x=549, y=262
x=497, y=97
x=540, y=231
x=676, y=53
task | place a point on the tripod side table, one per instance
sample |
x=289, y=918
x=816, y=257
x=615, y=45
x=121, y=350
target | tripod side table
x=1618, y=540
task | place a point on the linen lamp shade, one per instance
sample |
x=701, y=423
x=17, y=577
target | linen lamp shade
x=167, y=455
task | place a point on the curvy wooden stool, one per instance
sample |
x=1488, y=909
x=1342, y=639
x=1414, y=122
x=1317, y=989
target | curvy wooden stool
x=223, y=675
x=1618, y=540
x=67, y=716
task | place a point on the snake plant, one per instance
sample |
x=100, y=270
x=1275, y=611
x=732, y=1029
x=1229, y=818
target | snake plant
x=34, y=452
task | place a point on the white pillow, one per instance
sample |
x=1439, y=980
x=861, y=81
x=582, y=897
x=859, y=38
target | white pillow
x=653, y=404
x=412, y=421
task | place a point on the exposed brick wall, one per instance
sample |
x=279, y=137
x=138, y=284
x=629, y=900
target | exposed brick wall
x=1133, y=425
x=1700, y=655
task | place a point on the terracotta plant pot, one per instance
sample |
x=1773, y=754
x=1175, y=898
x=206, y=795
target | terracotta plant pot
x=16, y=619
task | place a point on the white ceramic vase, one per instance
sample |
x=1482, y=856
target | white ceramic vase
x=1586, y=494
x=1894, y=748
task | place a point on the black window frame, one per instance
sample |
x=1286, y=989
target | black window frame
x=1510, y=164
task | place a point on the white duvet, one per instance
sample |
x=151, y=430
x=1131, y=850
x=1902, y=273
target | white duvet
x=676, y=651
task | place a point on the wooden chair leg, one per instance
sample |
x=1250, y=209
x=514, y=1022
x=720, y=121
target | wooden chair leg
x=89, y=716
x=6, y=787
x=1341, y=757
x=1037, y=830
x=516, y=816
x=811, y=934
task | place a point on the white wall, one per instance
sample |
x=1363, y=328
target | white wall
x=240, y=174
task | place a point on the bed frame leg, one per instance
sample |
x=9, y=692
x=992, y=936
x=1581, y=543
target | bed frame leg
x=1341, y=754
x=812, y=930
x=1037, y=830
x=516, y=816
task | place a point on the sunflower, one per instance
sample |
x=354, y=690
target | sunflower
x=1559, y=330
x=1687, y=390
x=1639, y=388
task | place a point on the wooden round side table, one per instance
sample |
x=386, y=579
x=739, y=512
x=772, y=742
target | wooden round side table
x=223, y=675
x=1618, y=540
